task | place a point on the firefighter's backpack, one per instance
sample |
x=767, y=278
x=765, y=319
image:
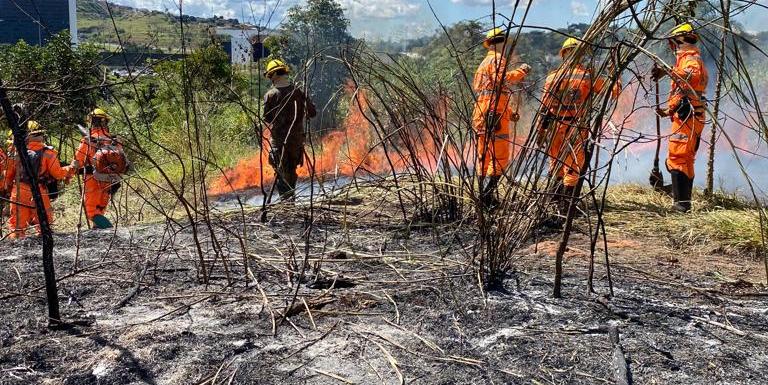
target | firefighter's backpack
x=109, y=157
x=35, y=160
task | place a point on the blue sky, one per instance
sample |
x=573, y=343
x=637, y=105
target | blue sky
x=397, y=19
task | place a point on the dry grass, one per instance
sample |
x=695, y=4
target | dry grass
x=726, y=222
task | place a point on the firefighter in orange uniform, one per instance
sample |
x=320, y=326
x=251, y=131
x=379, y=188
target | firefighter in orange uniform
x=101, y=158
x=686, y=109
x=493, y=114
x=46, y=161
x=567, y=97
x=3, y=163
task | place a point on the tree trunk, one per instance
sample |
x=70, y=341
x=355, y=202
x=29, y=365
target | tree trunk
x=20, y=142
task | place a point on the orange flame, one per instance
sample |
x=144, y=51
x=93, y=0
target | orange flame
x=357, y=149
x=344, y=152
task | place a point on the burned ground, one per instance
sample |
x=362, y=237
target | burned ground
x=388, y=305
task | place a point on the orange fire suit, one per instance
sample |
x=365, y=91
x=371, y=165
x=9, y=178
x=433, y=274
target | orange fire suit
x=493, y=86
x=23, y=211
x=566, y=98
x=3, y=162
x=97, y=188
x=689, y=81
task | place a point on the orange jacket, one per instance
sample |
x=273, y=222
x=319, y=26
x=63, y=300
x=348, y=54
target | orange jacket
x=3, y=160
x=49, y=165
x=567, y=90
x=493, y=82
x=689, y=78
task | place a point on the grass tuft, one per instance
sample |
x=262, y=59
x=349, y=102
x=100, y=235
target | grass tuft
x=726, y=223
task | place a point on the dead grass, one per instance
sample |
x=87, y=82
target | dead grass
x=724, y=223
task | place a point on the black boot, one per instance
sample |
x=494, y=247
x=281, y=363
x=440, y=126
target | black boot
x=488, y=194
x=681, y=191
x=565, y=201
x=556, y=217
x=688, y=198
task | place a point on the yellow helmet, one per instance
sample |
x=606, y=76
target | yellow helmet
x=274, y=66
x=494, y=34
x=569, y=43
x=33, y=126
x=682, y=30
x=99, y=113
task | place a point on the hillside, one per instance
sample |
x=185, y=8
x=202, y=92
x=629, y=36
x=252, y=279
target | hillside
x=155, y=30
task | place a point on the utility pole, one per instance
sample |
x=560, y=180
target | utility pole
x=20, y=142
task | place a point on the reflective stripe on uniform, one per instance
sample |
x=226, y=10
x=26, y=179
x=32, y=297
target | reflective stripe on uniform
x=492, y=93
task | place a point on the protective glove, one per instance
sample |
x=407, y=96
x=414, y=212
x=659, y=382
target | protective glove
x=684, y=109
x=658, y=73
x=493, y=121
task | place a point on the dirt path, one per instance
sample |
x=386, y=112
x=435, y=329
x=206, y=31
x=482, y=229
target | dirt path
x=405, y=308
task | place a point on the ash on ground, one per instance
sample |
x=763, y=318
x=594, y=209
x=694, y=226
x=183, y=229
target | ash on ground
x=378, y=303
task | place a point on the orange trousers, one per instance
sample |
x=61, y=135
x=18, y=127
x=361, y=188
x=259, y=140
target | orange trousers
x=23, y=217
x=683, y=144
x=493, y=154
x=97, y=196
x=566, y=152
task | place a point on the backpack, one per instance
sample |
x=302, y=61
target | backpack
x=109, y=157
x=35, y=160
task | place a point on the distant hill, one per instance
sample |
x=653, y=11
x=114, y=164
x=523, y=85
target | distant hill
x=141, y=28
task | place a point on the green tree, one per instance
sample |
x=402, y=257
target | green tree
x=312, y=39
x=58, y=83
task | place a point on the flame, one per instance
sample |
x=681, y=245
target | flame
x=343, y=152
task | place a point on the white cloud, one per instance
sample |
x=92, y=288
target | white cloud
x=472, y=3
x=499, y=3
x=379, y=9
x=578, y=8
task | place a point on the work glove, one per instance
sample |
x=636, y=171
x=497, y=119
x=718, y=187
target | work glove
x=684, y=109
x=492, y=121
x=525, y=68
x=657, y=73
x=663, y=112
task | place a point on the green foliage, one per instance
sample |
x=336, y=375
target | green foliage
x=460, y=43
x=206, y=69
x=57, y=82
x=311, y=39
x=142, y=30
x=206, y=85
x=438, y=56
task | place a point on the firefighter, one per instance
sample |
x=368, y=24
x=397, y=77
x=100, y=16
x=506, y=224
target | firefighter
x=494, y=112
x=101, y=159
x=4, y=154
x=567, y=97
x=45, y=161
x=285, y=108
x=686, y=109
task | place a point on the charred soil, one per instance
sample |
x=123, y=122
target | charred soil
x=378, y=302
